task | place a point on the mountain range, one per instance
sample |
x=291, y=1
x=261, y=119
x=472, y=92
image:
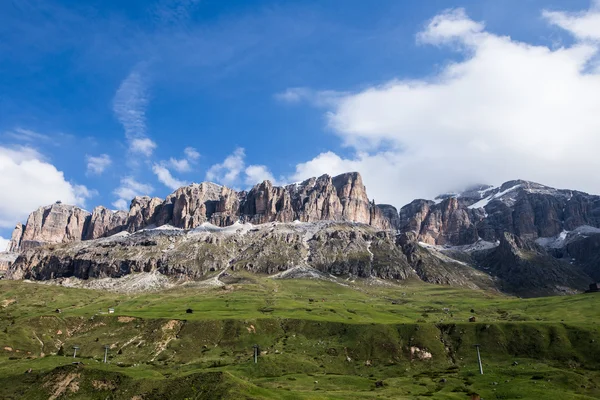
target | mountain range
x=521, y=237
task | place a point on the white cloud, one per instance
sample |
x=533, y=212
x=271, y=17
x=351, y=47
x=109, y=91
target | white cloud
x=143, y=146
x=163, y=173
x=97, y=165
x=129, y=105
x=191, y=154
x=233, y=171
x=584, y=25
x=257, y=174
x=129, y=189
x=228, y=172
x=182, y=165
x=165, y=177
x=4, y=244
x=28, y=181
x=450, y=26
x=509, y=110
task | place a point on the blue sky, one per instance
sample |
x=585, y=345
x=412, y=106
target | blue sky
x=102, y=100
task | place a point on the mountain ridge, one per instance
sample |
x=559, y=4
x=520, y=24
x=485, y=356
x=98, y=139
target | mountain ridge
x=339, y=198
x=520, y=237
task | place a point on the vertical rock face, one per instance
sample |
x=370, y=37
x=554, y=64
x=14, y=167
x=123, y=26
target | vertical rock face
x=342, y=198
x=192, y=205
x=58, y=223
x=353, y=197
x=266, y=203
x=390, y=214
x=227, y=207
x=446, y=223
x=316, y=199
x=104, y=222
x=15, y=239
x=526, y=209
x=143, y=212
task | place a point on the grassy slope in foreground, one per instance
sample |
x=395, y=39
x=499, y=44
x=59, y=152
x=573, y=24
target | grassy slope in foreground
x=335, y=346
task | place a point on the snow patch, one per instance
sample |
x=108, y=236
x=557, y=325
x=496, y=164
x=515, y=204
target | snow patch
x=586, y=230
x=484, y=202
x=555, y=242
x=237, y=227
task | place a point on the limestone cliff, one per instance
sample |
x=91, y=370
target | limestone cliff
x=341, y=198
x=526, y=209
x=58, y=223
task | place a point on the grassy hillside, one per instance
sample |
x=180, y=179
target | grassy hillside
x=318, y=340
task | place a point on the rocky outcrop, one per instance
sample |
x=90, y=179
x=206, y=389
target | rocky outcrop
x=390, y=214
x=15, y=239
x=105, y=222
x=525, y=268
x=142, y=212
x=58, y=223
x=342, y=249
x=526, y=209
x=341, y=198
x=266, y=203
x=191, y=206
x=6, y=260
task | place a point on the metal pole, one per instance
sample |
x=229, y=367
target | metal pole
x=255, y=354
x=105, y=353
x=479, y=359
x=75, y=348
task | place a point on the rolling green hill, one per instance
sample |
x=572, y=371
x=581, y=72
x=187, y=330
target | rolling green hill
x=318, y=340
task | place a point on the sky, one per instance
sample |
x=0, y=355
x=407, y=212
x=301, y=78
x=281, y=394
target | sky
x=104, y=100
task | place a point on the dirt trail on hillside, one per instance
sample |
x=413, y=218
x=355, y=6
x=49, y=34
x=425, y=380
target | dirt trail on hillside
x=170, y=331
x=62, y=383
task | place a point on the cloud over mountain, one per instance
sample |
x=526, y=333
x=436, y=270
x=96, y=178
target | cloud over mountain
x=508, y=110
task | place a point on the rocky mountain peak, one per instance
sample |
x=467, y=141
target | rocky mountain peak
x=524, y=208
x=57, y=223
x=339, y=198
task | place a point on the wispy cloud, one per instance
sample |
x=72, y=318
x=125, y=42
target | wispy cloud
x=323, y=98
x=129, y=105
x=97, y=165
x=27, y=135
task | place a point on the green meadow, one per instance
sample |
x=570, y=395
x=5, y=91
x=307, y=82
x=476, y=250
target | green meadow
x=317, y=340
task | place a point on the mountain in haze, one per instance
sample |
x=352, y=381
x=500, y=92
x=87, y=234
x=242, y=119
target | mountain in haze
x=521, y=237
